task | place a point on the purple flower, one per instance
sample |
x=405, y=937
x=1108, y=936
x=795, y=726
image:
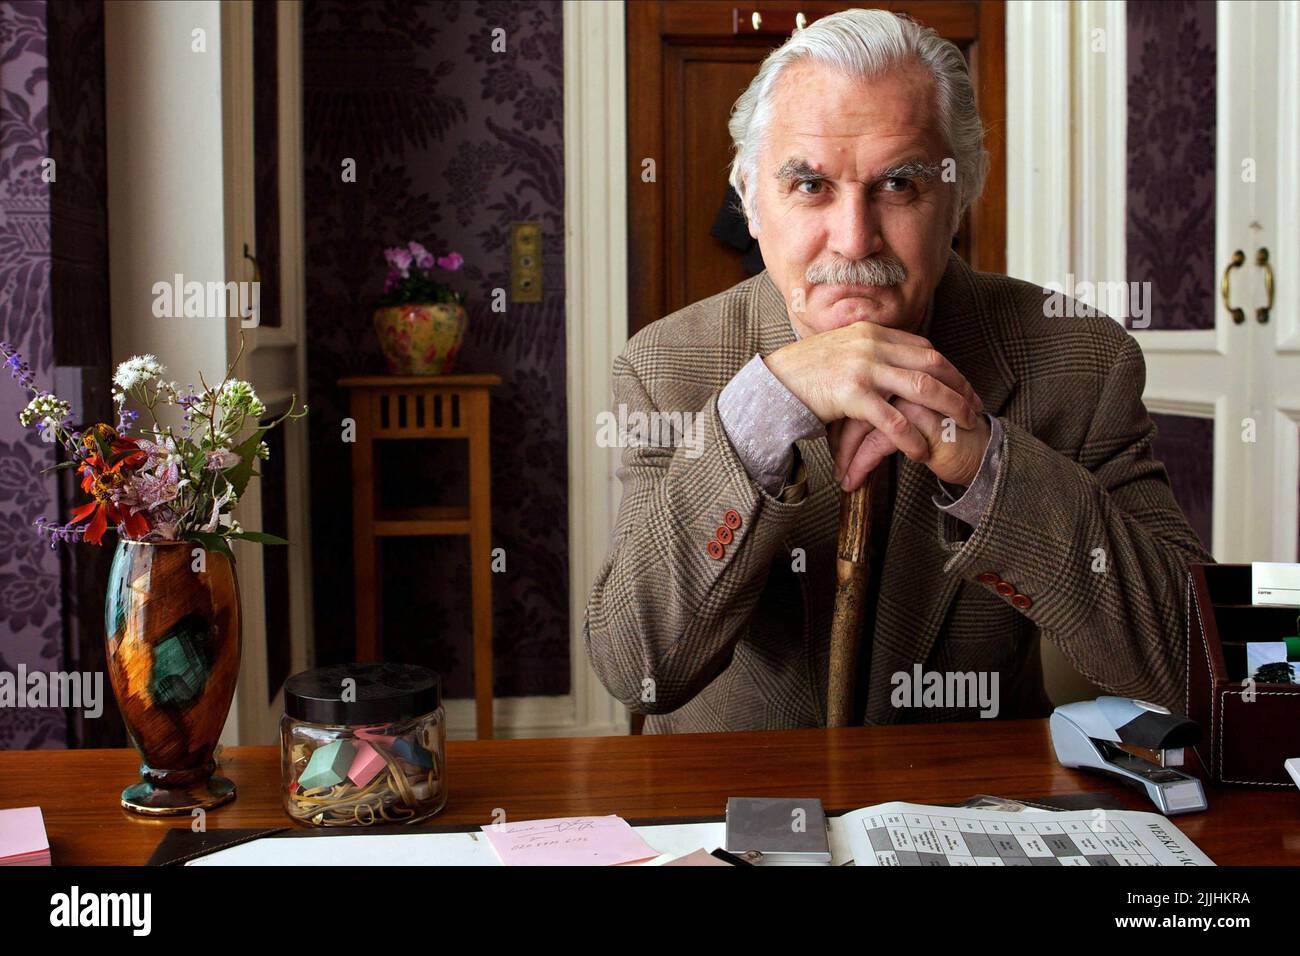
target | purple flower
x=18, y=368
x=399, y=259
x=451, y=262
x=423, y=257
x=392, y=280
x=56, y=533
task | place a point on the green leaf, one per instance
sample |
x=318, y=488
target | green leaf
x=257, y=537
x=105, y=451
x=59, y=467
x=239, y=475
x=212, y=542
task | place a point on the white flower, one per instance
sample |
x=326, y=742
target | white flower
x=136, y=370
x=47, y=409
x=237, y=395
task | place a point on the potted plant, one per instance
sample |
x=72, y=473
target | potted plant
x=172, y=609
x=420, y=320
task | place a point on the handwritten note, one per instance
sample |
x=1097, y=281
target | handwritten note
x=568, y=841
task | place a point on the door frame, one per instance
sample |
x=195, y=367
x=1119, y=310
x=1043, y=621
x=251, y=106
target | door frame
x=255, y=715
x=596, y=314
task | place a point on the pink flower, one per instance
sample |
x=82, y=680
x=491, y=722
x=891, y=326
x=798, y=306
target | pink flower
x=399, y=259
x=423, y=257
x=391, y=280
x=451, y=262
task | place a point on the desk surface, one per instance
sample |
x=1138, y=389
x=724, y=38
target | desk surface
x=683, y=775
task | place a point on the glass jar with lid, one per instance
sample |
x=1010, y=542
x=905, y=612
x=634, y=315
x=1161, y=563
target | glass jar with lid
x=363, y=745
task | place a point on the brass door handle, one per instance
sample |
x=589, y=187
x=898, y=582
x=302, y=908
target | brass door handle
x=257, y=268
x=1225, y=287
x=1261, y=260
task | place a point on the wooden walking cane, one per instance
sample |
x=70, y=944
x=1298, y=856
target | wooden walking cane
x=852, y=573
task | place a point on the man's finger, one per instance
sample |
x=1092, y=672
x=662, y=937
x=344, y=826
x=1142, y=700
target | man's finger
x=924, y=389
x=870, y=407
x=934, y=363
x=875, y=448
x=850, y=437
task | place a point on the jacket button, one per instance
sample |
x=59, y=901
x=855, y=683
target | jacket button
x=988, y=577
x=715, y=549
x=1021, y=601
x=723, y=534
x=731, y=519
x=1005, y=588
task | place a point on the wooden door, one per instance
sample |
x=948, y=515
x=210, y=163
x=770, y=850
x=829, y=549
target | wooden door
x=687, y=62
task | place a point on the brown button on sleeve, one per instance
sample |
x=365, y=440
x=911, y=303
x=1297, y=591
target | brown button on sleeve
x=715, y=549
x=1021, y=601
x=723, y=534
x=731, y=519
x=1005, y=588
x=988, y=577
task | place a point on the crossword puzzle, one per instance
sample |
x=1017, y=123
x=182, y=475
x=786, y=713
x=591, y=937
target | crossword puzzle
x=928, y=839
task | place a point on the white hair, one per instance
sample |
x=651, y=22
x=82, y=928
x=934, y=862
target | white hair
x=864, y=44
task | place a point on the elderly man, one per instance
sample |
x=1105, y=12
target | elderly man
x=1022, y=496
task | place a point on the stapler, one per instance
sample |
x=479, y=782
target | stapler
x=1098, y=734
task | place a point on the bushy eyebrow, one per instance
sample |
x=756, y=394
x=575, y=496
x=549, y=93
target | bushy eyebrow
x=796, y=169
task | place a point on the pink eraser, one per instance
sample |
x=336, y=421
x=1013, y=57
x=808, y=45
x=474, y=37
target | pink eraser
x=365, y=765
x=363, y=733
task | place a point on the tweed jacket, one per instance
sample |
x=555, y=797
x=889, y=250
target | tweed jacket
x=1082, y=541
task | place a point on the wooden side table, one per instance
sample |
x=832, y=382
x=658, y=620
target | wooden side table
x=395, y=407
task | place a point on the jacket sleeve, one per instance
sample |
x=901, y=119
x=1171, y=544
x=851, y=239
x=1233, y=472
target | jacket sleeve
x=1098, y=546
x=664, y=615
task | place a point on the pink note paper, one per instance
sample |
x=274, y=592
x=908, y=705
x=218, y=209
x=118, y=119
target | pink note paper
x=22, y=835
x=568, y=841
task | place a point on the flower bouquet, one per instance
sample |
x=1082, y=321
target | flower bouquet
x=420, y=320
x=172, y=611
x=168, y=483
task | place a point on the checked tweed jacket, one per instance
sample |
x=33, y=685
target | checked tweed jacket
x=742, y=641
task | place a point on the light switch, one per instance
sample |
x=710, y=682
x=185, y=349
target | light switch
x=525, y=262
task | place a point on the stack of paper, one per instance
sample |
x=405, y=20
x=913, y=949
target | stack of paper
x=22, y=838
x=568, y=841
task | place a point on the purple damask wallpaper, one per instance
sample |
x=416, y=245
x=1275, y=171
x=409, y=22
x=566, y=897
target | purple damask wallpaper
x=1171, y=126
x=452, y=142
x=31, y=629
x=1186, y=446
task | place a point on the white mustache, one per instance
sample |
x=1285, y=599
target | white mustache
x=878, y=271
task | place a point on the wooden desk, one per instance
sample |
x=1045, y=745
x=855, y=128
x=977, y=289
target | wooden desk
x=654, y=776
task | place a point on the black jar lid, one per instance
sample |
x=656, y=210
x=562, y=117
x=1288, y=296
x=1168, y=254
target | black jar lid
x=384, y=693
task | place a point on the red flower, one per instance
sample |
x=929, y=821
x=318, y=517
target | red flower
x=102, y=472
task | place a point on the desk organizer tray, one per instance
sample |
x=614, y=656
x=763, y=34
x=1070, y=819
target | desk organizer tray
x=1244, y=741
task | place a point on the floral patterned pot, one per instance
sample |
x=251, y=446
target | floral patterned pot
x=421, y=339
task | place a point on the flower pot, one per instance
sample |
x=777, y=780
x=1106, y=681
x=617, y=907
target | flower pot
x=173, y=643
x=421, y=339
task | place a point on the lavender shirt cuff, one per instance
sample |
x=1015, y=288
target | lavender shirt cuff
x=969, y=505
x=763, y=419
